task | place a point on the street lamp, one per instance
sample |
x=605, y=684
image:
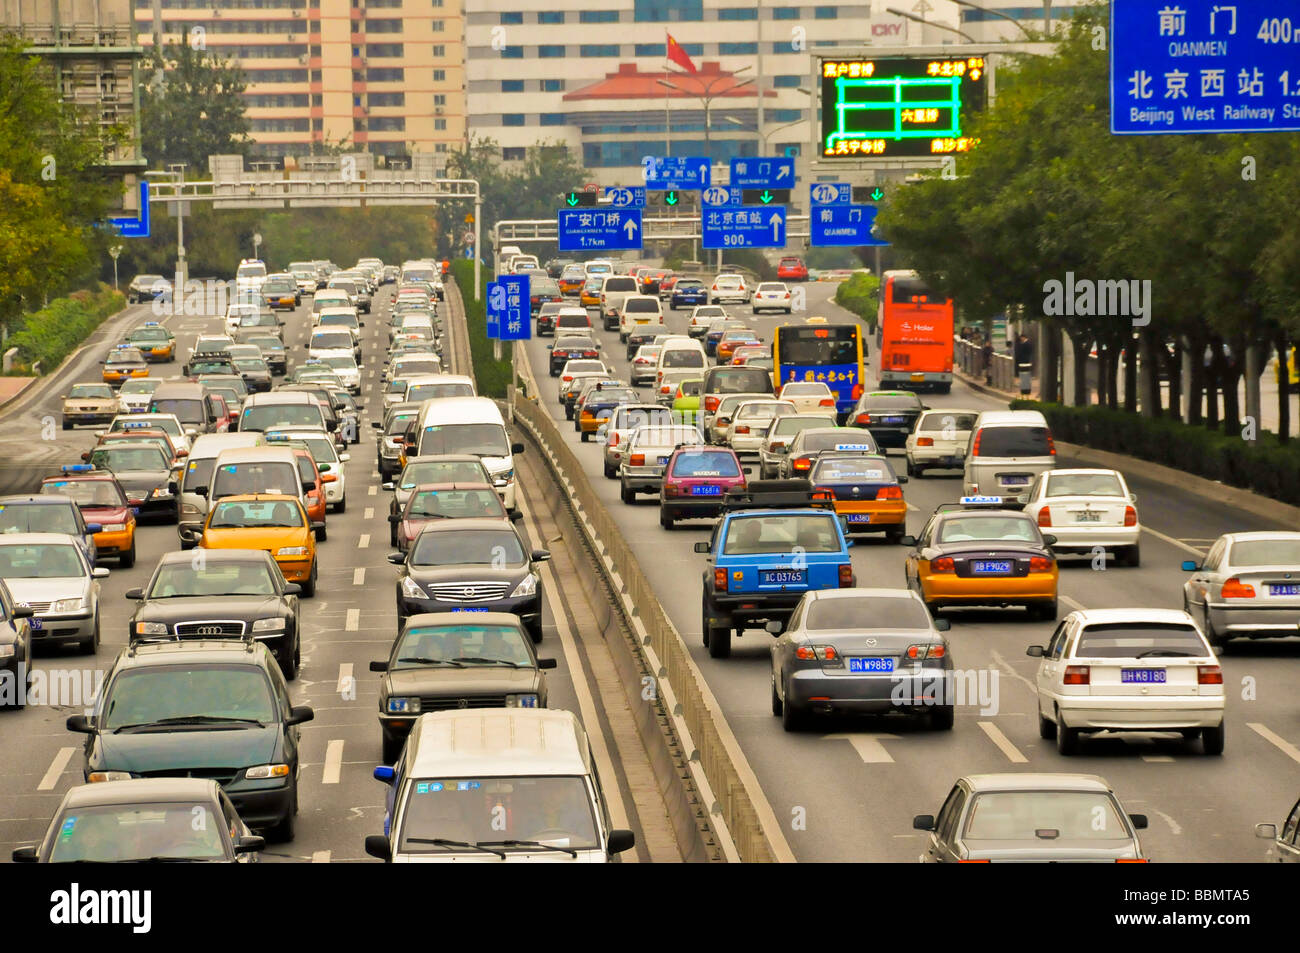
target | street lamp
x=925, y=22
x=999, y=13
x=176, y=173
x=707, y=95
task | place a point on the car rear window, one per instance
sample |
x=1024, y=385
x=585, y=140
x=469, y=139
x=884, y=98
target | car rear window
x=749, y=535
x=620, y=284
x=977, y=527
x=705, y=463
x=945, y=421
x=1014, y=442
x=1140, y=640
x=641, y=306
x=867, y=613
x=1265, y=552
x=682, y=357
x=239, y=479
x=1083, y=484
x=738, y=380
x=891, y=402
x=1041, y=817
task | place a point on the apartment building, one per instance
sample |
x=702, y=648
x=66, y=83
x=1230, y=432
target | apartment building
x=383, y=76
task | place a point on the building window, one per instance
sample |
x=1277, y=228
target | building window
x=785, y=13
x=387, y=123
x=693, y=49
x=386, y=75
x=598, y=16
x=738, y=13
x=737, y=49
x=439, y=49
x=550, y=51
x=315, y=76
x=825, y=13
x=552, y=85
x=440, y=99
x=507, y=52
x=439, y=26
x=386, y=99
x=512, y=18
x=281, y=101
x=385, y=50
x=440, y=76
x=279, y=125
x=440, y=147
x=356, y=100
x=512, y=86
x=383, y=26
x=512, y=154
x=598, y=49
x=784, y=115
x=316, y=99
x=667, y=11
x=440, y=125
x=550, y=16
x=787, y=81
x=652, y=49
x=554, y=119
x=512, y=119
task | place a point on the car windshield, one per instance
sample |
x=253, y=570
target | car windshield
x=1084, y=484
x=812, y=533
x=1265, y=552
x=218, y=578
x=331, y=340
x=1042, y=817
x=272, y=416
x=866, y=612
x=85, y=493
x=40, y=561
x=258, y=319
x=550, y=810
x=458, y=471
x=705, y=463
x=454, y=503
x=966, y=528
x=483, y=440
x=473, y=547
x=116, y=833
x=852, y=470
x=433, y=391
x=146, y=696
x=343, y=320
x=125, y=355
x=245, y=514
x=422, y=365
x=242, y=479
x=128, y=458
x=90, y=392
x=341, y=361
x=449, y=643
x=1140, y=640
x=265, y=342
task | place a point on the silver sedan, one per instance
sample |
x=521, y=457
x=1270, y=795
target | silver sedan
x=1247, y=587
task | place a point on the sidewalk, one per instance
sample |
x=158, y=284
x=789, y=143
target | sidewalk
x=12, y=387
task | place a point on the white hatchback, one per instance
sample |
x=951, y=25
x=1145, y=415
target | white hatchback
x=1147, y=670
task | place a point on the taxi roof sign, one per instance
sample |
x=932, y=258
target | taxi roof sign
x=76, y=468
x=981, y=501
x=854, y=447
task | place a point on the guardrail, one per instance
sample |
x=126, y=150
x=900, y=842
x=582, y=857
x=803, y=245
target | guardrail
x=999, y=372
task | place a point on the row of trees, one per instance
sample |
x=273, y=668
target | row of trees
x=1209, y=220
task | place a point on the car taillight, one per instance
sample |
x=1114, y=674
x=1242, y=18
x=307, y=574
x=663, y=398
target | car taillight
x=1209, y=675
x=889, y=493
x=846, y=576
x=826, y=402
x=711, y=403
x=810, y=653
x=567, y=378
x=975, y=447
x=984, y=860
x=943, y=564
x=742, y=428
x=636, y=460
x=862, y=419
x=775, y=444
x=587, y=413
x=1130, y=516
x=1234, y=588
x=925, y=441
x=1045, y=516
x=802, y=464
x=925, y=651
x=1076, y=675
x=613, y=439
x=787, y=294
x=856, y=392
x=670, y=489
x=720, y=580
x=1040, y=564
x=1131, y=860
x=1051, y=445
x=593, y=354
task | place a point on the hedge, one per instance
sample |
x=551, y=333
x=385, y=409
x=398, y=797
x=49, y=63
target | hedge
x=492, y=378
x=54, y=332
x=859, y=295
x=1268, y=467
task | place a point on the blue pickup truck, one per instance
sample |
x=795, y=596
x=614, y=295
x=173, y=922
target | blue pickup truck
x=776, y=540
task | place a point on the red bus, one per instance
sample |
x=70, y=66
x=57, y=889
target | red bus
x=914, y=335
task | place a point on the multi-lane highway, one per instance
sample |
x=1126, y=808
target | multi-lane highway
x=350, y=622
x=847, y=791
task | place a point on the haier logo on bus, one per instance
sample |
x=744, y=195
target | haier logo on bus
x=907, y=328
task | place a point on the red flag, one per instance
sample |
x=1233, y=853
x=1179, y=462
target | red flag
x=678, y=55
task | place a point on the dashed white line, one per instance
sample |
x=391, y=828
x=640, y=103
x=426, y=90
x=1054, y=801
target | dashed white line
x=354, y=620
x=57, y=766
x=333, y=762
x=364, y=541
x=369, y=514
x=1174, y=542
x=359, y=576
x=1158, y=758
x=1174, y=828
x=345, y=683
x=1072, y=603
x=320, y=857
x=373, y=491
x=1003, y=742
x=1288, y=749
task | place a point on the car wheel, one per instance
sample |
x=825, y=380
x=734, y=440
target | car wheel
x=342, y=506
x=791, y=718
x=289, y=664
x=628, y=494
x=666, y=519
x=390, y=747
x=309, y=587
x=777, y=705
x=1212, y=739
x=1046, y=728
x=1131, y=556
x=942, y=718
x=720, y=643
x=90, y=644
x=1217, y=642
x=67, y=425
x=535, y=632
x=127, y=559
x=1046, y=611
x=584, y=436
x=1067, y=739
x=895, y=534
x=610, y=472
x=568, y=412
x=1190, y=734
x=322, y=535
x=282, y=832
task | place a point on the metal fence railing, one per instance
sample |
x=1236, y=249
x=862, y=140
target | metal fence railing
x=999, y=372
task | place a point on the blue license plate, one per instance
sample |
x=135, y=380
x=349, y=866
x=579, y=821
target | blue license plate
x=663, y=461
x=891, y=420
x=470, y=609
x=707, y=490
x=1015, y=481
x=781, y=577
x=1277, y=590
x=859, y=517
x=991, y=567
x=871, y=664
x=1144, y=676
x=36, y=624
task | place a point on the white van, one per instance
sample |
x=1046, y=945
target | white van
x=1007, y=450
x=197, y=472
x=471, y=425
x=642, y=313
x=680, y=354
x=521, y=783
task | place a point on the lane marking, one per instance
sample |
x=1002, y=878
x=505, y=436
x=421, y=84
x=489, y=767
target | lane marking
x=1006, y=667
x=345, y=683
x=359, y=576
x=320, y=857
x=1003, y=742
x=369, y=514
x=364, y=541
x=57, y=766
x=373, y=490
x=1288, y=749
x=1158, y=758
x=1174, y=542
x=1072, y=603
x=354, y=620
x=867, y=745
x=333, y=762
x=1174, y=828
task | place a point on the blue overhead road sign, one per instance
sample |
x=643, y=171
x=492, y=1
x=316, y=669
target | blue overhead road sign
x=762, y=172
x=744, y=226
x=1187, y=67
x=721, y=195
x=508, y=308
x=588, y=229
x=135, y=227
x=626, y=198
x=830, y=193
x=676, y=172
x=842, y=225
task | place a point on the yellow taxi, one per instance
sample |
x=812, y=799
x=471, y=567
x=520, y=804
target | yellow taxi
x=589, y=296
x=275, y=523
x=155, y=342
x=104, y=503
x=572, y=278
x=978, y=554
x=124, y=363
x=866, y=491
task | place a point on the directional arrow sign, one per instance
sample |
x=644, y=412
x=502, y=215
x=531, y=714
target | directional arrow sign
x=670, y=197
x=848, y=225
x=676, y=172
x=611, y=229
x=765, y=196
x=868, y=746
x=744, y=226
x=867, y=193
x=577, y=199
x=763, y=172
x=135, y=227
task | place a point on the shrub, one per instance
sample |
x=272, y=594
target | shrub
x=52, y=333
x=491, y=377
x=859, y=295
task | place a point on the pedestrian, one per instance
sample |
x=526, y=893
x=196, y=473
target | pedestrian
x=986, y=350
x=1024, y=354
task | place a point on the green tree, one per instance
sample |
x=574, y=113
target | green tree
x=192, y=107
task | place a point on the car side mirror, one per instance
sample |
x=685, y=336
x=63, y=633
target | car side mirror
x=394, y=518
x=79, y=723
x=541, y=555
x=516, y=448
x=516, y=516
x=99, y=572
x=1191, y=565
x=292, y=589
x=377, y=845
x=619, y=841
x=396, y=559
x=902, y=478
x=136, y=593
x=547, y=663
x=24, y=855
x=1049, y=539
x=390, y=485
x=376, y=424
x=908, y=540
x=307, y=488
x=942, y=625
x=773, y=627
x=1139, y=821
x=379, y=666
x=1035, y=651
x=1262, y=831
x=250, y=844
x=703, y=547
x=923, y=822
x=23, y=611
x=299, y=714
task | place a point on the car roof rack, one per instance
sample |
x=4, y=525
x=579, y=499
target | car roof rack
x=778, y=494
x=246, y=638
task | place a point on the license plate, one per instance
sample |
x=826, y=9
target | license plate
x=1143, y=675
x=859, y=517
x=1087, y=517
x=1276, y=590
x=706, y=491
x=1015, y=481
x=470, y=609
x=918, y=377
x=891, y=420
x=663, y=461
x=871, y=664
x=991, y=567
x=642, y=320
x=36, y=624
x=781, y=577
